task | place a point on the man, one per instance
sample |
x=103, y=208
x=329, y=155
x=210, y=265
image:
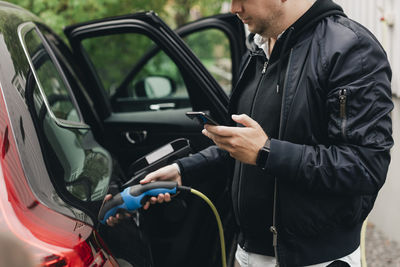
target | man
x=312, y=142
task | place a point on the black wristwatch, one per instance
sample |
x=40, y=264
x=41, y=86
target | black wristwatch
x=263, y=153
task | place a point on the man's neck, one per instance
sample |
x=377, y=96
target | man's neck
x=271, y=43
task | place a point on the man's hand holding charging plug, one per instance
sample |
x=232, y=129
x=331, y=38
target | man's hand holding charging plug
x=167, y=173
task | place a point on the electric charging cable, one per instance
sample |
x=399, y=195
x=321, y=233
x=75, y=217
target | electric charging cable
x=220, y=229
x=134, y=197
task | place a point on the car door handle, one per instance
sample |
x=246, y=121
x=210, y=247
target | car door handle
x=136, y=137
x=162, y=106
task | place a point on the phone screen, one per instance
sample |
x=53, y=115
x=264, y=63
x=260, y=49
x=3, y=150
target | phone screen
x=201, y=117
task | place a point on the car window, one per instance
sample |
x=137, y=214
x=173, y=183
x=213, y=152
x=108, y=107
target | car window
x=212, y=47
x=75, y=162
x=51, y=81
x=133, y=69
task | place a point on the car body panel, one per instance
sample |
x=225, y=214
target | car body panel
x=13, y=82
x=30, y=207
x=44, y=231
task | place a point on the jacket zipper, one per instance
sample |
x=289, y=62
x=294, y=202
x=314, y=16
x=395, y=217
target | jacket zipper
x=273, y=228
x=342, y=101
x=264, y=70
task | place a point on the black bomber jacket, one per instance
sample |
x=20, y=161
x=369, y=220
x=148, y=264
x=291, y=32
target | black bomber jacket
x=335, y=134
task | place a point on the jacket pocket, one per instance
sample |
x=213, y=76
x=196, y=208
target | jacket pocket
x=343, y=111
x=338, y=112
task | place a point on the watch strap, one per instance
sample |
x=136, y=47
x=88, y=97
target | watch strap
x=263, y=154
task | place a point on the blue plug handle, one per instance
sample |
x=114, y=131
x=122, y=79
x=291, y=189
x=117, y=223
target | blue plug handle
x=134, y=197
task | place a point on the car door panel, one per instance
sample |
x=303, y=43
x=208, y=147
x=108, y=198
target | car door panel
x=202, y=90
x=159, y=128
x=128, y=105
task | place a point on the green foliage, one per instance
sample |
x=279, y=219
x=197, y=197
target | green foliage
x=212, y=47
x=184, y=9
x=61, y=13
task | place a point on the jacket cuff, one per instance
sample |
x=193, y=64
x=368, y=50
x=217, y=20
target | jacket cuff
x=284, y=159
x=187, y=165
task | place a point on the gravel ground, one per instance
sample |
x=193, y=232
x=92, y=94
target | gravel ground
x=380, y=250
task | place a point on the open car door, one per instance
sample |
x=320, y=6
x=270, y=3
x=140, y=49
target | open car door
x=142, y=78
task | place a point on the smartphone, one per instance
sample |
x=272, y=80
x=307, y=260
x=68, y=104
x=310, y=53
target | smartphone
x=201, y=117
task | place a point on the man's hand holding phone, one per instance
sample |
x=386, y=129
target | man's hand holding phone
x=242, y=143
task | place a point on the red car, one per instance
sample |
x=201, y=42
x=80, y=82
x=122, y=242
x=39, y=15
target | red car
x=77, y=121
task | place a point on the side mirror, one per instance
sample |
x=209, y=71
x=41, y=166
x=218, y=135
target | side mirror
x=154, y=87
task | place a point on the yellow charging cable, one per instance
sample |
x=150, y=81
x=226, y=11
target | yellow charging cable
x=221, y=230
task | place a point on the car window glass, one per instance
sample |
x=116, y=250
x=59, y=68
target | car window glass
x=134, y=71
x=161, y=72
x=51, y=81
x=212, y=47
x=72, y=157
